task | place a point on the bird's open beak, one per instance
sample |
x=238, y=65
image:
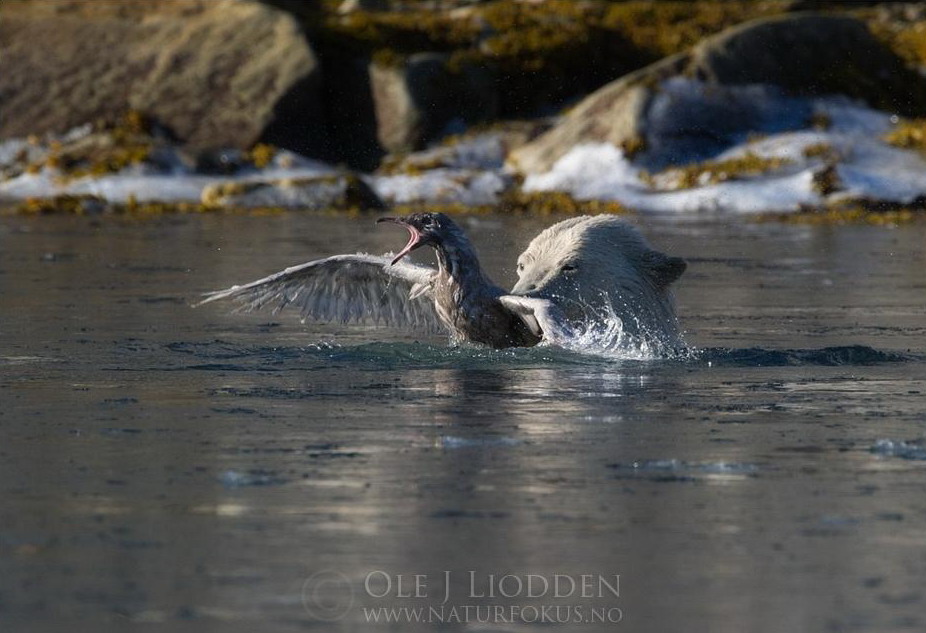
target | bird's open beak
x=414, y=237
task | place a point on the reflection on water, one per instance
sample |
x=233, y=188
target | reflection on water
x=196, y=468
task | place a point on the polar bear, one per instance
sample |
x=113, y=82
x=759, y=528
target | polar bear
x=596, y=268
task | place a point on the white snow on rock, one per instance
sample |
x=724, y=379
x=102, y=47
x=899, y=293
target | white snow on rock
x=600, y=171
x=442, y=186
x=811, y=135
x=866, y=167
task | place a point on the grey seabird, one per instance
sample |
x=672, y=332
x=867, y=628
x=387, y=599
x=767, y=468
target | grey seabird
x=457, y=296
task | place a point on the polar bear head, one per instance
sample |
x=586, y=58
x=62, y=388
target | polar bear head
x=588, y=262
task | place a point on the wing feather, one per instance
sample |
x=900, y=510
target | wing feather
x=543, y=317
x=346, y=288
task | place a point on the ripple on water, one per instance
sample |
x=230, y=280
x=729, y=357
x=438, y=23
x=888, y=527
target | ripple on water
x=669, y=470
x=27, y=360
x=826, y=356
x=253, y=477
x=219, y=355
x=452, y=442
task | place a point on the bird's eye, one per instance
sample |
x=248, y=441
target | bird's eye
x=520, y=268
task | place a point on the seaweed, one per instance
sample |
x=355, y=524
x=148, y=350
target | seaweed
x=871, y=212
x=908, y=134
x=715, y=171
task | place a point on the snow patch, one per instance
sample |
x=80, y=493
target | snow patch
x=865, y=166
x=442, y=186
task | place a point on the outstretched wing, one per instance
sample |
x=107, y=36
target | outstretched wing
x=346, y=288
x=543, y=317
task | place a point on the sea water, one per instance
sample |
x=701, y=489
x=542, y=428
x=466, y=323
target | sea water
x=204, y=469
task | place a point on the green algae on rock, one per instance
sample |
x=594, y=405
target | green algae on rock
x=542, y=53
x=335, y=192
x=557, y=203
x=908, y=134
x=854, y=210
x=89, y=205
x=715, y=171
x=847, y=214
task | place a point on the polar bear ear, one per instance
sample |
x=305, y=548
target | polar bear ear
x=663, y=269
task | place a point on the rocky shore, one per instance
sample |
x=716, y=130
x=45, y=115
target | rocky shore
x=765, y=107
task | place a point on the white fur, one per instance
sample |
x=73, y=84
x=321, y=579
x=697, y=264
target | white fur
x=617, y=275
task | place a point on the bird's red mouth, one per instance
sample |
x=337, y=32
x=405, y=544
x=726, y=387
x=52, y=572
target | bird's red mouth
x=414, y=238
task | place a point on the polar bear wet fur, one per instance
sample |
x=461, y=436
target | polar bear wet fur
x=594, y=267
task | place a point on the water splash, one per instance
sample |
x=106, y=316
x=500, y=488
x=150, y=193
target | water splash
x=602, y=333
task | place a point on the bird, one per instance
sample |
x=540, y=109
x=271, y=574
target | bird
x=456, y=297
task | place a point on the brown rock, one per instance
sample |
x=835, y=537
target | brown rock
x=811, y=55
x=613, y=114
x=416, y=99
x=349, y=6
x=217, y=73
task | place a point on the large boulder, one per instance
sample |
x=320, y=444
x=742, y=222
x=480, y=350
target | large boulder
x=801, y=54
x=613, y=114
x=215, y=73
x=812, y=55
x=418, y=98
